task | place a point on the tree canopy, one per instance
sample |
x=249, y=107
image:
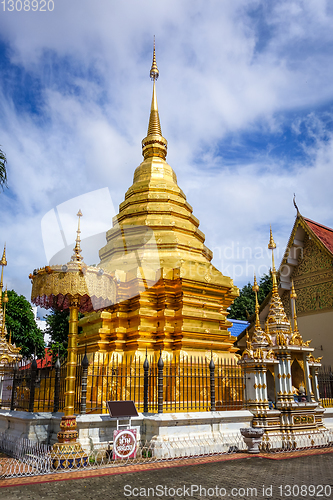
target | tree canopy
x=20, y=321
x=58, y=329
x=244, y=305
x=3, y=170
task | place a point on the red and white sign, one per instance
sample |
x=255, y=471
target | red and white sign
x=124, y=444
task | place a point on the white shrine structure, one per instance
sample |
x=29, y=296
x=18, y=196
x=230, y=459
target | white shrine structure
x=281, y=372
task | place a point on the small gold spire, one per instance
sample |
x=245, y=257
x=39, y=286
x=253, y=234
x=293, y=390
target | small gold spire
x=259, y=337
x=5, y=300
x=293, y=298
x=255, y=288
x=154, y=73
x=77, y=249
x=3, y=263
x=10, y=337
x=293, y=291
x=272, y=246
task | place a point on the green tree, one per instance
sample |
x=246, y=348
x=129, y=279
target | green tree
x=3, y=170
x=58, y=329
x=20, y=321
x=244, y=305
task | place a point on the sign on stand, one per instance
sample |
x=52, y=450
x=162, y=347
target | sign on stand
x=124, y=440
x=124, y=444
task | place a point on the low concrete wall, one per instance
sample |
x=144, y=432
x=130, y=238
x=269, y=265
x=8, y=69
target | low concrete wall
x=181, y=434
x=34, y=426
x=177, y=425
x=95, y=429
x=159, y=428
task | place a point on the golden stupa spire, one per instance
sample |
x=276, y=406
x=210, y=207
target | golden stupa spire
x=154, y=144
x=272, y=246
x=3, y=329
x=3, y=263
x=76, y=257
x=277, y=321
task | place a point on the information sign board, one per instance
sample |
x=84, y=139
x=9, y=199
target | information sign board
x=121, y=409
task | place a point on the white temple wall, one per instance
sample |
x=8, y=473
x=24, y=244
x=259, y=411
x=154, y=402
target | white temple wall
x=319, y=328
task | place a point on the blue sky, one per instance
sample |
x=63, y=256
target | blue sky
x=246, y=103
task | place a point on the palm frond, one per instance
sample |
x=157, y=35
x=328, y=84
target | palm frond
x=3, y=170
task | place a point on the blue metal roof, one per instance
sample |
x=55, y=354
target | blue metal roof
x=237, y=327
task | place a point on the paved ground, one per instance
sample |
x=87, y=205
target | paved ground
x=307, y=477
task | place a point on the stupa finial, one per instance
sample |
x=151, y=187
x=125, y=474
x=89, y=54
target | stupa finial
x=154, y=126
x=154, y=73
x=272, y=246
x=3, y=261
x=154, y=144
x=76, y=257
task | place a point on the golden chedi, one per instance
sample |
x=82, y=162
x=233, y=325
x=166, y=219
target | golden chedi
x=169, y=295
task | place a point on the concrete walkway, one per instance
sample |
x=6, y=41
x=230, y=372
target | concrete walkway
x=275, y=477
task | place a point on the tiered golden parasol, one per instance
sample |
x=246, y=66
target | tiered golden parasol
x=79, y=288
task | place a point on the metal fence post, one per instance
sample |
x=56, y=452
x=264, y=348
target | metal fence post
x=145, y=384
x=32, y=385
x=212, y=384
x=15, y=372
x=84, y=364
x=56, y=385
x=160, y=366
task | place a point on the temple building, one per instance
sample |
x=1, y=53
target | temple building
x=170, y=297
x=308, y=261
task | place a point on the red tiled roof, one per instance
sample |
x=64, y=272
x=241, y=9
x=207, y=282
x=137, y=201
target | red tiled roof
x=325, y=234
x=42, y=363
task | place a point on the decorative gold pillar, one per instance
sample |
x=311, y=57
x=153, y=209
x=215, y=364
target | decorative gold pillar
x=71, y=358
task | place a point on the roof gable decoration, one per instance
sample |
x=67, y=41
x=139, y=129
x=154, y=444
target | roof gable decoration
x=321, y=235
